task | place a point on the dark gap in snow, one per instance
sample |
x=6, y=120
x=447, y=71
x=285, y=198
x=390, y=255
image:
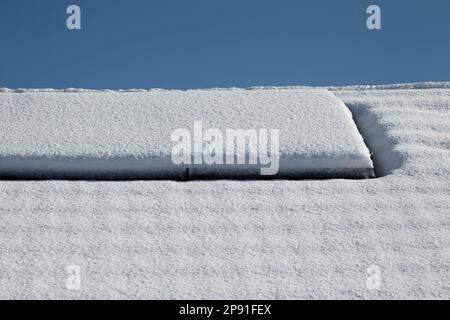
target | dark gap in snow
x=183, y=175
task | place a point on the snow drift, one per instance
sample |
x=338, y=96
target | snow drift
x=78, y=134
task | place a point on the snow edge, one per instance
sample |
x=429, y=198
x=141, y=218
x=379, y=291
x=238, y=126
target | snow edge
x=398, y=86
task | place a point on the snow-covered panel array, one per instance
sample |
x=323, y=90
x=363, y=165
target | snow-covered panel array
x=161, y=134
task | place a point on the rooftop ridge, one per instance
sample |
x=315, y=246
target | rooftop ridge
x=398, y=86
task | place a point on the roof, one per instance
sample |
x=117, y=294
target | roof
x=249, y=239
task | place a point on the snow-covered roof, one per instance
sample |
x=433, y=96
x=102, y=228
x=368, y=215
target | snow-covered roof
x=250, y=239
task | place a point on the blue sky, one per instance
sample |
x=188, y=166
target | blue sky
x=211, y=43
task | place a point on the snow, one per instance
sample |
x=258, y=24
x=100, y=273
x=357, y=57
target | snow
x=109, y=134
x=249, y=239
x=413, y=85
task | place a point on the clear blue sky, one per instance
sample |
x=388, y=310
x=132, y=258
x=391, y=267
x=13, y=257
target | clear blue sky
x=212, y=43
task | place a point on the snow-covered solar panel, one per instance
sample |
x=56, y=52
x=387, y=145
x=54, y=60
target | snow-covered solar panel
x=82, y=134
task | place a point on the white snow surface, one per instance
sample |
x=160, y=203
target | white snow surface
x=85, y=133
x=249, y=239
